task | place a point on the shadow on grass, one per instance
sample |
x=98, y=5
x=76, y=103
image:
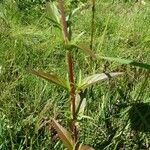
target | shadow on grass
x=139, y=116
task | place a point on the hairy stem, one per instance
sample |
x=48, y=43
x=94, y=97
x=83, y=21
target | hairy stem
x=72, y=93
x=63, y=20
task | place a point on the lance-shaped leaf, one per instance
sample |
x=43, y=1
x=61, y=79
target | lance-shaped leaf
x=85, y=49
x=80, y=106
x=128, y=62
x=63, y=134
x=52, y=78
x=91, y=80
x=53, y=12
x=84, y=147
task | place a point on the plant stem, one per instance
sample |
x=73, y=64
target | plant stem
x=63, y=19
x=71, y=75
x=72, y=93
x=92, y=24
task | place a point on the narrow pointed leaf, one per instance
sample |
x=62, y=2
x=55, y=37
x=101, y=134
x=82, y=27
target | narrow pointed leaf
x=85, y=49
x=128, y=62
x=74, y=11
x=78, y=99
x=63, y=134
x=53, y=11
x=52, y=78
x=80, y=106
x=84, y=147
x=91, y=80
x=80, y=77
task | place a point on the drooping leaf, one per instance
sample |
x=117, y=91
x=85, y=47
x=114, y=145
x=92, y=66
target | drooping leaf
x=63, y=134
x=52, y=78
x=85, y=49
x=84, y=147
x=91, y=80
x=128, y=62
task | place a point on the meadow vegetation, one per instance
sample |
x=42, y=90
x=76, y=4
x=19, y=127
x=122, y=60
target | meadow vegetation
x=30, y=40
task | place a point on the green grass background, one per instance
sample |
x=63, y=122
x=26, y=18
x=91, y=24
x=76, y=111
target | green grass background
x=28, y=41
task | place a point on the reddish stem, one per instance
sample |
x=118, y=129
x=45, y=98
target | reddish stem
x=71, y=75
x=63, y=19
x=72, y=93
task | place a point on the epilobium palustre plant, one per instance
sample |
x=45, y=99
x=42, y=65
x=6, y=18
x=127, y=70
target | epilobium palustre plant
x=78, y=104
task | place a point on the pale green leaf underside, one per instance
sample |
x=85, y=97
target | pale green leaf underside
x=93, y=79
x=80, y=106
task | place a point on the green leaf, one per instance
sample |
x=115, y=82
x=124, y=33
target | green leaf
x=80, y=106
x=52, y=78
x=128, y=62
x=53, y=11
x=73, y=12
x=85, y=49
x=80, y=77
x=69, y=21
x=91, y=80
x=63, y=134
